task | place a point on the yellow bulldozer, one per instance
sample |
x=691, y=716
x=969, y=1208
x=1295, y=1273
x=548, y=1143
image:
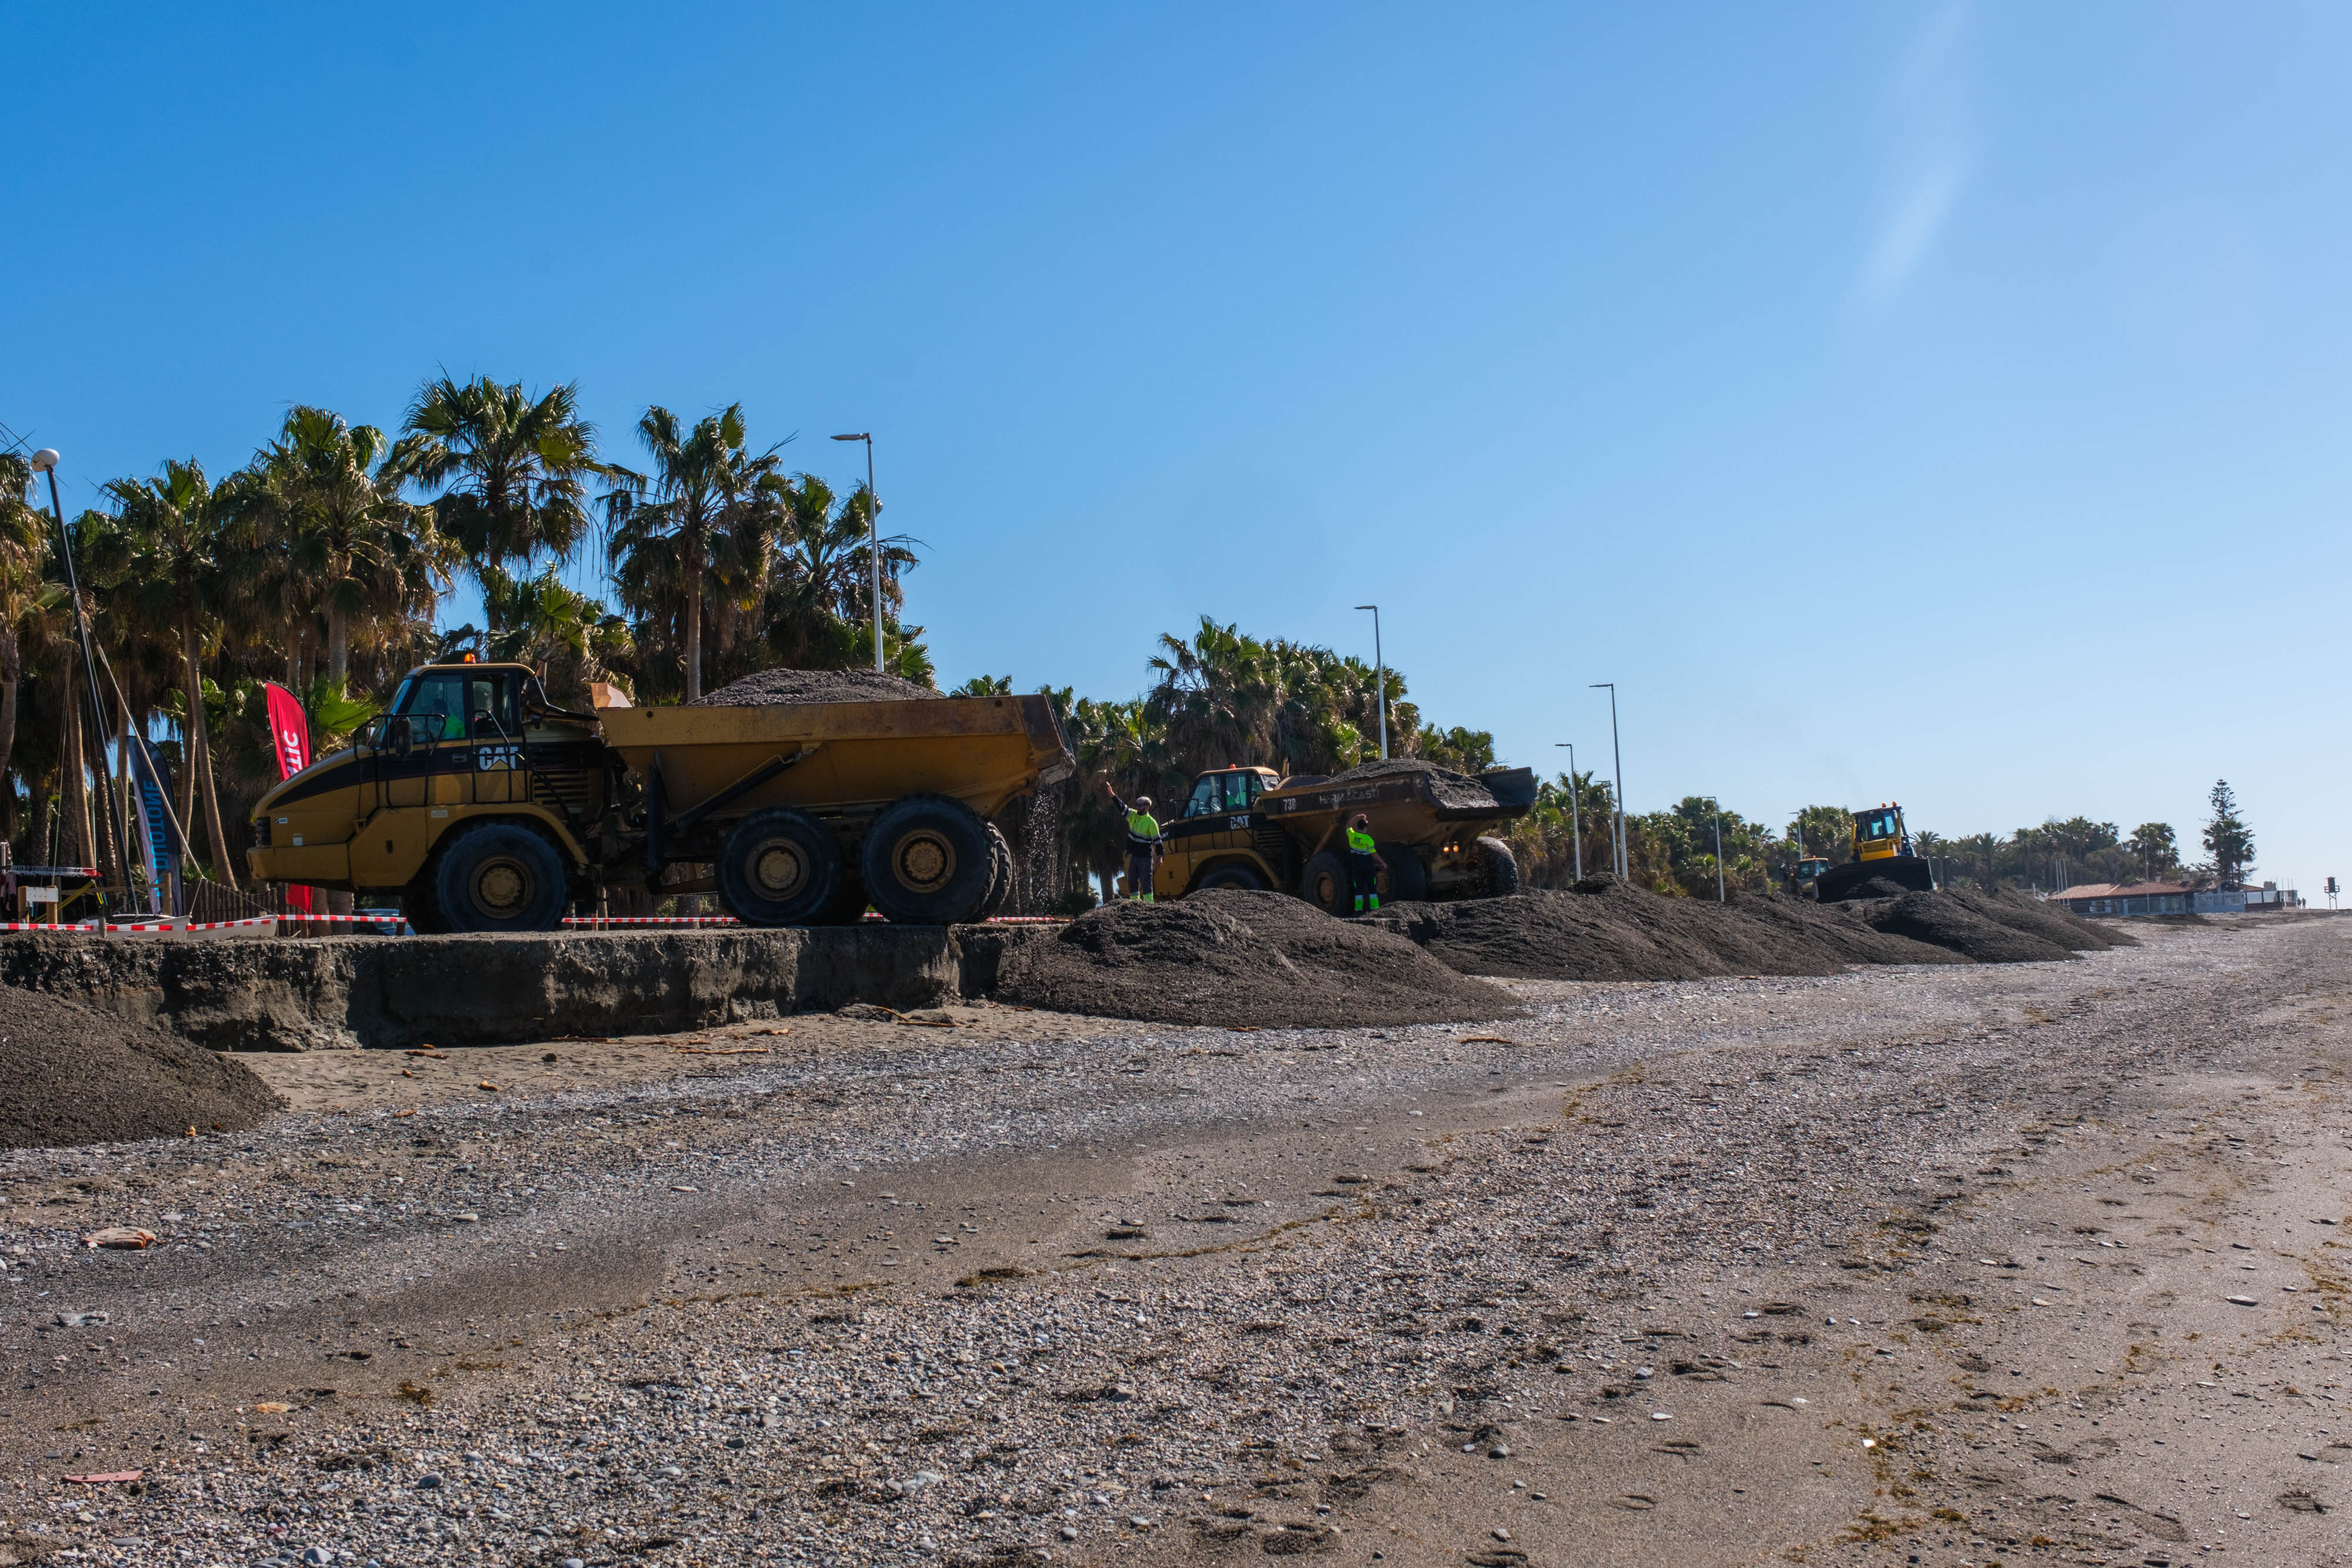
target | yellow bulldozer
x=1882, y=853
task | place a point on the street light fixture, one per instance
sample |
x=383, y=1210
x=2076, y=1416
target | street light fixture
x=1575, y=822
x=873, y=537
x=1617, y=752
x=1379, y=678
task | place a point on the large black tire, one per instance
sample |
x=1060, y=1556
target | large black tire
x=1910, y=872
x=1408, y=879
x=500, y=876
x=1323, y=883
x=926, y=861
x=778, y=868
x=1233, y=877
x=999, y=873
x=1499, y=869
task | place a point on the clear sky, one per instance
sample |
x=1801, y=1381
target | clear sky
x=1944, y=402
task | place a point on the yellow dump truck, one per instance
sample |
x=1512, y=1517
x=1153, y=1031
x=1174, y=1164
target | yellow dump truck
x=1247, y=828
x=486, y=808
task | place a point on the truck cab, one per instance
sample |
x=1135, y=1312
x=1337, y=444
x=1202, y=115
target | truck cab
x=458, y=743
x=1878, y=833
x=1808, y=871
x=1213, y=843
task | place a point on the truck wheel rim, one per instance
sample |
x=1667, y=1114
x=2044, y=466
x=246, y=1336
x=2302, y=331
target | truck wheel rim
x=501, y=886
x=778, y=868
x=924, y=860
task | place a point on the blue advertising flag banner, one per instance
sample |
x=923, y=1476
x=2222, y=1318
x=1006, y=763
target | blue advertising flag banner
x=162, y=839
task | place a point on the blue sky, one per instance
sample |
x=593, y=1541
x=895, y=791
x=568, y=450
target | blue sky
x=1937, y=402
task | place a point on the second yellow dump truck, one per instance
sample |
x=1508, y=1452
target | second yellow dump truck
x=484, y=807
x=1247, y=828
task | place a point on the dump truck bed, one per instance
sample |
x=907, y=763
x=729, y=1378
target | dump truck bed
x=1406, y=808
x=983, y=751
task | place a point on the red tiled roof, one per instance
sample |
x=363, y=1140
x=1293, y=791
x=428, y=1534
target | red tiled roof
x=2122, y=890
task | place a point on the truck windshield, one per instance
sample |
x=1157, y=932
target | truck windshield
x=1878, y=825
x=435, y=704
x=1220, y=792
x=494, y=694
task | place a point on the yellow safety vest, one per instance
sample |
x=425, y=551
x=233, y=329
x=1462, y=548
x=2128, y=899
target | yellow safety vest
x=1360, y=844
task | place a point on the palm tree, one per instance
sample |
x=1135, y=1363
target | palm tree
x=363, y=551
x=569, y=637
x=24, y=590
x=816, y=606
x=164, y=544
x=704, y=483
x=516, y=468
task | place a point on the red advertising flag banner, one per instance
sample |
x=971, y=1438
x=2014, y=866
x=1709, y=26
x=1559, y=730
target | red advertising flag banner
x=289, y=739
x=289, y=731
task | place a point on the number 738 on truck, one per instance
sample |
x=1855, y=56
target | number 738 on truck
x=484, y=807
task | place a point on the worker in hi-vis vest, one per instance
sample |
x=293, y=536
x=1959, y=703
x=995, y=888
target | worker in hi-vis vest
x=1143, y=846
x=1364, y=864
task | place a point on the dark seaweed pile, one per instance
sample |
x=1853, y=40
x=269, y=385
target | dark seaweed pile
x=70, y=1075
x=1230, y=957
x=1604, y=930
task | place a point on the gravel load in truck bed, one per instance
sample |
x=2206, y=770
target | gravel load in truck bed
x=72, y=1075
x=1447, y=787
x=1262, y=959
x=787, y=688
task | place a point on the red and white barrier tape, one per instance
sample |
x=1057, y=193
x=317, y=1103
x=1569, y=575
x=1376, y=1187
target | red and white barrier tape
x=299, y=919
x=89, y=928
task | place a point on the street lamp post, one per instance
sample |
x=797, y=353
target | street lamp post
x=1575, y=822
x=1618, y=754
x=873, y=537
x=1379, y=678
x=46, y=461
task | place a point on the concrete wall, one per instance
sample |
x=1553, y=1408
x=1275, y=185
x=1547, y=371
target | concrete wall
x=347, y=993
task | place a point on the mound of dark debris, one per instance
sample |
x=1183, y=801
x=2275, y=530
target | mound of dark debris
x=1241, y=958
x=788, y=688
x=71, y=1075
x=1605, y=930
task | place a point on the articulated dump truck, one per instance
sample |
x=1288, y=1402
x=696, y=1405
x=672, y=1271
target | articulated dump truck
x=1247, y=828
x=486, y=808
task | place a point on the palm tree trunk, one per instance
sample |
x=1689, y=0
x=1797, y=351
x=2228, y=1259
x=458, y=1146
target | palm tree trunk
x=200, y=759
x=691, y=536
x=73, y=794
x=44, y=823
x=134, y=821
x=12, y=675
x=339, y=643
x=112, y=859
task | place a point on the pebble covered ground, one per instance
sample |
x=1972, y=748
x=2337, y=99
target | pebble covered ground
x=1045, y=1289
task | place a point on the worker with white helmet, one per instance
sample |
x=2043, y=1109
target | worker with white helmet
x=1143, y=844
